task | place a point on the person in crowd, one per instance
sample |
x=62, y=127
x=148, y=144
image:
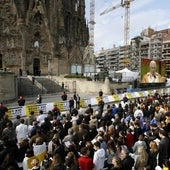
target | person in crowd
x=110, y=153
x=58, y=148
x=127, y=160
x=8, y=155
x=117, y=164
x=64, y=96
x=21, y=131
x=22, y=148
x=89, y=146
x=153, y=153
x=76, y=98
x=33, y=130
x=137, y=130
x=57, y=163
x=3, y=123
x=142, y=159
x=39, y=99
x=125, y=98
x=129, y=139
x=9, y=132
x=114, y=110
x=68, y=138
x=9, y=162
x=138, y=113
x=71, y=161
x=152, y=76
x=163, y=148
x=35, y=163
x=99, y=156
x=71, y=104
x=84, y=161
x=3, y=110
x=138, y=144
x=39, y=146
x=55, y=110
x=21, y=101
x=31, y=118
x=46, y=126
x=41, y=117
x=29, y=153
x=16, y=121
x=100, y=93
x=100, y=108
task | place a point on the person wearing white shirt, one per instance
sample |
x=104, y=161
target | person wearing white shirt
x=138, y=113
x=99, y=156
x=41, y=117
x=21, y=131
x=29, y=153
x=39, y=146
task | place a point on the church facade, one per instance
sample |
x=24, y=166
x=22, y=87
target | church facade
x=42, y=37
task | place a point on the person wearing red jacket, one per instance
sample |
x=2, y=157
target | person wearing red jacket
x=129, y=139
x=84, y=161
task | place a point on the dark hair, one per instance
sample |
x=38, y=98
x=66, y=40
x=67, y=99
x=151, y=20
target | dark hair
x=162, y=132
x=29, y=152
x=18, y=116
x=41, y=112
x=22, y=120
x=97, y=144
x=84, y=150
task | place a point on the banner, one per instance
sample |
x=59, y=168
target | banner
x=64, y=105
x=14, y=111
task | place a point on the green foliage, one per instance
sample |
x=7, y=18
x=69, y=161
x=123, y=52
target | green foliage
x=74, y=76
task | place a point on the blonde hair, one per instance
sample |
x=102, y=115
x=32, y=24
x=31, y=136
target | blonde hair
x=153, y=146
x=35, y=162
x=142, y=155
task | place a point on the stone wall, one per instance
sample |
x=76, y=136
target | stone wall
x=8, y=86
x=84, y=86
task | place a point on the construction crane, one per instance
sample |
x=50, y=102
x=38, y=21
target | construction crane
x=125, y=4
x=89, y=57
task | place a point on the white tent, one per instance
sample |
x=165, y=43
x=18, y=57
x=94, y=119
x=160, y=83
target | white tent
x=128, y=75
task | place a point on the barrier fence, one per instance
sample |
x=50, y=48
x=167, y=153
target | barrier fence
x=64, y=105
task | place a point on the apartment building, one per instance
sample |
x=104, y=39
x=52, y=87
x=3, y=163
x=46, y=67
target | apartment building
x=166, y=51
x=149, y=44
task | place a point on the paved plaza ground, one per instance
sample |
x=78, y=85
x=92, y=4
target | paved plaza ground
x=48, y=98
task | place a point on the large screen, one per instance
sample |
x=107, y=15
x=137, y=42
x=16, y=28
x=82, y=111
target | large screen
x=153, y=71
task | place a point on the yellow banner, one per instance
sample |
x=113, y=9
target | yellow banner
x=82, y=103
x=115, y=98
x=140, y=94
x=30, y=108
x=129, y=95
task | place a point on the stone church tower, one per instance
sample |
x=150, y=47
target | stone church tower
x=42, y=36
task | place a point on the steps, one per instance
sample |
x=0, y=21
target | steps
x=49, y=85
x=40, y=85
x=27, y=88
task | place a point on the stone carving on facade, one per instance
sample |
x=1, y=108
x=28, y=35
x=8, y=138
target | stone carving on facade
x=56, y=22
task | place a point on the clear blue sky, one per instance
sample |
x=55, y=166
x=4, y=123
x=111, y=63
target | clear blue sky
x=109, y=28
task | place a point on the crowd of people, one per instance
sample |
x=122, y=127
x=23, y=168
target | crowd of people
x=131, y=134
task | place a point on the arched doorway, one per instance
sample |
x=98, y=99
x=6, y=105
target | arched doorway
x=0, y=61
x=36, y=67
